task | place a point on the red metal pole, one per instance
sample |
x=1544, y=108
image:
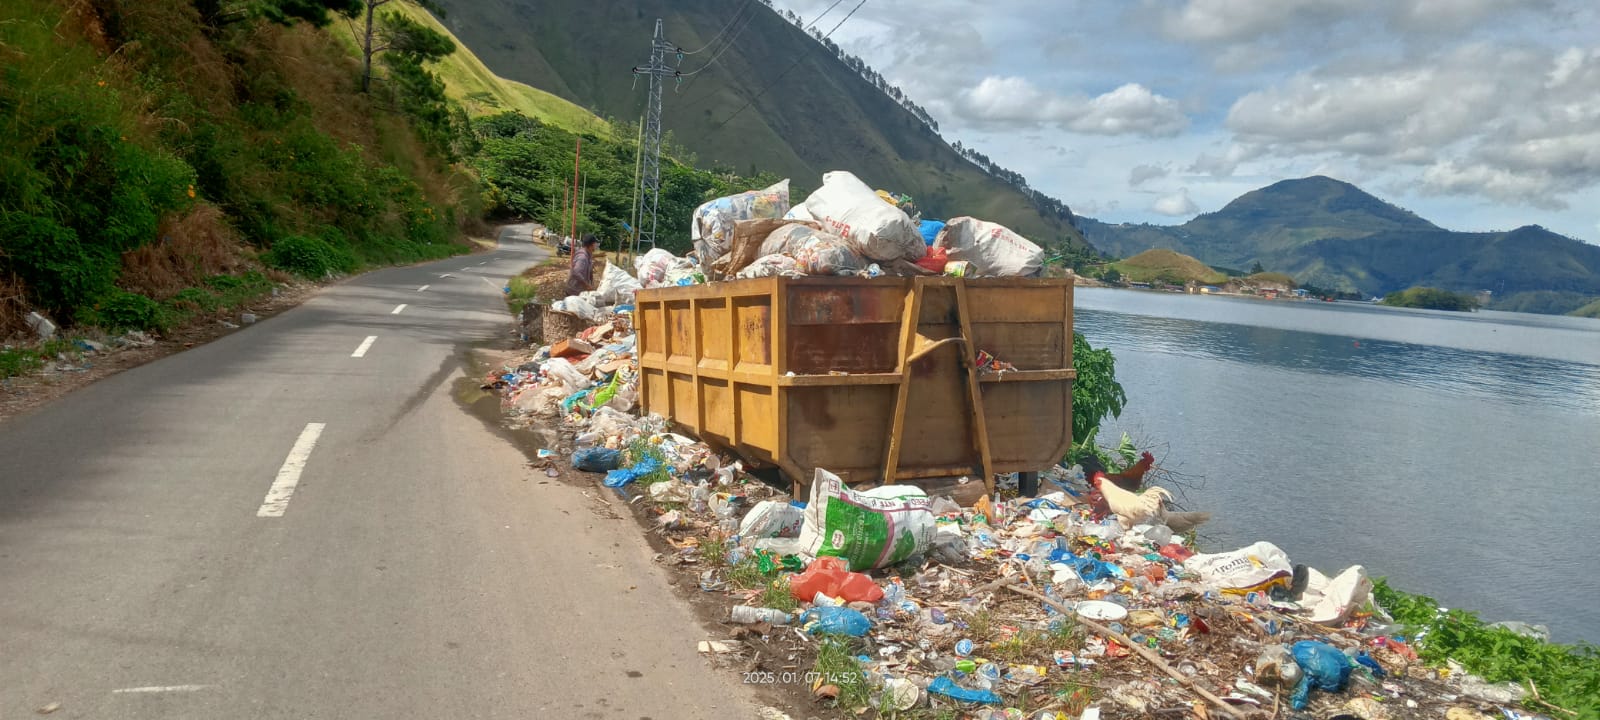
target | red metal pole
x=577, y=155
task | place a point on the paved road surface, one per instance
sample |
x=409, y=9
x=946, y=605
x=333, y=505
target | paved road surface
x=412, y=573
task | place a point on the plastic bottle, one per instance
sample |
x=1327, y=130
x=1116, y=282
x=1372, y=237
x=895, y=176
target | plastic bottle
x=746, y=615
x=699, y=497
x=588, y=439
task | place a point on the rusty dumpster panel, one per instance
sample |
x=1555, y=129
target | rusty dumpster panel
x=836, y=372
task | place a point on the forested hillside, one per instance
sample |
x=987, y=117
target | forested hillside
x=161, y=158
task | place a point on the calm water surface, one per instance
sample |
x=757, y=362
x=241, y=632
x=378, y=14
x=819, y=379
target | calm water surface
x=1458, y=454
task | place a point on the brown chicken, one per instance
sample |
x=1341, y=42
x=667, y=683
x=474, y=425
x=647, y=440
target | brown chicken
x=1132, y=477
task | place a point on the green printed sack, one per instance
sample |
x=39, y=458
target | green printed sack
x=868, y=529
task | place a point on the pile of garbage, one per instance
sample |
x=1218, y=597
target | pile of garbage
x=843, y=229
x=1085, y=602
x=1046, y=607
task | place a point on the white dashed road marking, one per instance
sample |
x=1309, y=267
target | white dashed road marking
x=283, y=487
x=424, y=287
x=397, y=309
x=162, y=689
x=361, y=350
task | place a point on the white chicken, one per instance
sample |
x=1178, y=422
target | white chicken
x=1131, y=508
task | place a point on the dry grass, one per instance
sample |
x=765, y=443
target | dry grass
x=13, y=307
x=192, y=247
x=549, y=279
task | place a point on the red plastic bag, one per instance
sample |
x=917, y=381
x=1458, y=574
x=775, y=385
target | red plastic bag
x=935, y=260
x=832, y=577
x=1176, y=552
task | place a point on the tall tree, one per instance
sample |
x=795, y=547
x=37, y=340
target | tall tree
x=374, y=41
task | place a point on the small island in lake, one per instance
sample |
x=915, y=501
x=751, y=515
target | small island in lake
x=1431, y=299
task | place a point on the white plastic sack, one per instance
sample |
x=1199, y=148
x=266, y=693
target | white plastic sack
x=772, y=266
x=798, y=212
x=652, y=267
x=870, y=529
x=571, y=380
x=712, y=228
x=824, y=254
x=772, y=518
x=617, y=286
x=1248, y=568
x=787, y=239
x=581, y=306
x=991, y=248
x=879, y=230
x=1333, y=600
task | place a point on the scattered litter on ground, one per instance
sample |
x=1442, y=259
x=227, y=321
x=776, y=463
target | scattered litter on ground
x=1087, y=601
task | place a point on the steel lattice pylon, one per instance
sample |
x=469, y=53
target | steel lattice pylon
x=650, y=143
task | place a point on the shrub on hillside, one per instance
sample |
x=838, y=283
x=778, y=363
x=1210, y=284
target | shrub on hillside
x=123, y=310
x=62, y=272
x=310, y=257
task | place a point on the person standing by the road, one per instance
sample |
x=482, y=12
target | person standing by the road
x=581, y=277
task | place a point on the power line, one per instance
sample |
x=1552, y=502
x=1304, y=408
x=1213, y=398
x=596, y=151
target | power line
x=824, y=14
x=707, y=95
x=786, y=71
x=731, y=40
x=742, y=8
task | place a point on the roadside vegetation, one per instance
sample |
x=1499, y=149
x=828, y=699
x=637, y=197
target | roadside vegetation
x=1565, y=678
x=526, y=168
x=163, y=158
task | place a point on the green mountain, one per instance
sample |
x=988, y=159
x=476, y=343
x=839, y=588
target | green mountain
x=1331, y=234
x=809, y=111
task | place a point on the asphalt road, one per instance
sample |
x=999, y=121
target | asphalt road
x=160, y=557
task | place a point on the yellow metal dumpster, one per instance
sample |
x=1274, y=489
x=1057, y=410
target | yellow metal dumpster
x=873, y=379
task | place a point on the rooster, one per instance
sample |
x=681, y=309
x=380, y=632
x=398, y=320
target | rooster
x=1140, y=508
x=1131, y=508
x=1132, y=477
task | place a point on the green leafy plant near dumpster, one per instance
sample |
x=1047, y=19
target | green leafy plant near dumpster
x=1096, y=395
x=1567, y=676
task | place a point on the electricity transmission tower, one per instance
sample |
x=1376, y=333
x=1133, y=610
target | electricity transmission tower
x=650, y=142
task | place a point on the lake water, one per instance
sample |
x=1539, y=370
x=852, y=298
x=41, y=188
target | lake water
x=1457, y=454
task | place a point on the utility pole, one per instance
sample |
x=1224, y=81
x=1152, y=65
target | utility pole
x=650, y=145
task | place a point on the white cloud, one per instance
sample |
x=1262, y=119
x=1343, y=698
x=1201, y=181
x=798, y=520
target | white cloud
x=1247, y=21
x=1515, y=124
x=1141, y=174
x=1013, y=101
x=1176, y=204
x=1224, y=164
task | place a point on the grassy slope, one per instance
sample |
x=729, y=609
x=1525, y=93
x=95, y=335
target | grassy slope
x=1158, y=264
x=1592, y=310
x=821, y=116
x=482, y=92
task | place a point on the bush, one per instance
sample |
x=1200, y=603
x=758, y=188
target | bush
x=310, y=257
x=1096, y=394
x=123, y=310
x=62, y=272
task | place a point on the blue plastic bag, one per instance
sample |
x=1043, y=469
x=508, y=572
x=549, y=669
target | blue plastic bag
x=828, y=620
x=596, y=459
x=948, y=688
x=930, y=230
x=618, y=478
x=1087, y=568
x=1323, y=667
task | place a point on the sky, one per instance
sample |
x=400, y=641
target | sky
x=1475, y=114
